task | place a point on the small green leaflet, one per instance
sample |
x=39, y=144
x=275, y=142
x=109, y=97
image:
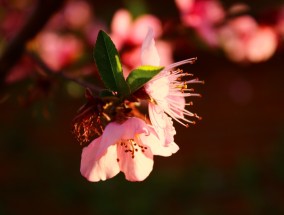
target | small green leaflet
x=109, y=66
x=141, y=75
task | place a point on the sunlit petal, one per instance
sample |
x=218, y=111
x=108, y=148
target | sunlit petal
x=96, y=168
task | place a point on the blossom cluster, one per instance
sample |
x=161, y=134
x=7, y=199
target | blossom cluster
x=239, y=34
x=122, y=139
x=243, y=33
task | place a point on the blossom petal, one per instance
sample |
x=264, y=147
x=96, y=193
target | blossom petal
x=149, y=53
x=156, y=114
x=114, y=132
x=158, y=87
x=180, y=101
x=96, y=168
x=156, y=145
x=136, y=168
x=162, y=124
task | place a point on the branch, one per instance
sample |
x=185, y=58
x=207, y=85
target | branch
x=15, y=49
x=53, y=73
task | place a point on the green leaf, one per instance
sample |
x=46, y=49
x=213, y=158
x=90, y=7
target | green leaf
x=109, y=66
x=141, y=75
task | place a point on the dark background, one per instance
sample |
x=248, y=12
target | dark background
x=231, y=162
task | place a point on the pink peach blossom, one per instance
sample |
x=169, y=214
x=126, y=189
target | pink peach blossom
x=128, y=147
x=167, y=92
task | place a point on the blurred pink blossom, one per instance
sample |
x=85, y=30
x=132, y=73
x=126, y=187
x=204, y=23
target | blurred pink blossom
x=262, y=44
x=58, y=51
x=280, y=22
x=126, y=30
x=128, y=147
x=92, y=29
x=202, y=15
x=131, y=33
x=185, y=6
x=77, y=13
x=77, y=16
x=140, y=27
x=120, y=27
x=243, y=40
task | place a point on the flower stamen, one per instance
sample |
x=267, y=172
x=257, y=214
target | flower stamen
x=132, y=146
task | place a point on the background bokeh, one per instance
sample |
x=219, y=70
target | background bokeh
x=229, y=163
